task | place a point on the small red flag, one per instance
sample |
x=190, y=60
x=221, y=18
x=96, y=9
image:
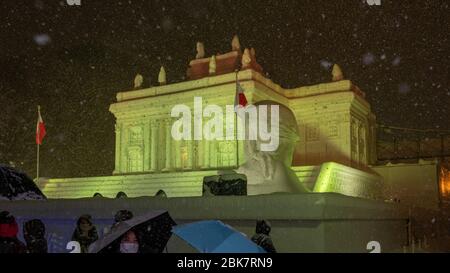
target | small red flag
x=240, y=99
x=40, y=129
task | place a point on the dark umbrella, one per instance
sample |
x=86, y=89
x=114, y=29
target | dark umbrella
x=153, y=230
x=15, y=185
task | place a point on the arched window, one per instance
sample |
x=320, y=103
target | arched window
x=121, y=194
x=161, y=193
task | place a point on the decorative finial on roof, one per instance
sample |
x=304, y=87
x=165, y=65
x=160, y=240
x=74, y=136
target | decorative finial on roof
x=212, y=65
x=200, y=50
x=162, y=79
x=235, y=44
x=337, y=73
x=246, y=59
x=138, y=80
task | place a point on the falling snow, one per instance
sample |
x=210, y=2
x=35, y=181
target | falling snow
x=368, y=59
x=41, y=39
x=73, y=63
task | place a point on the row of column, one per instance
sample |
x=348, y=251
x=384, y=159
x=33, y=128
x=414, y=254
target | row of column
x=162, y=153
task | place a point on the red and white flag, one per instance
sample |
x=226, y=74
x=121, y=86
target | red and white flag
x=40, y=129
x=240, y=99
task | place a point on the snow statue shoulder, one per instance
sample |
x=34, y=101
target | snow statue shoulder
x=138, y=80
x=269, y=171
x=337, y=73
x=200, y=50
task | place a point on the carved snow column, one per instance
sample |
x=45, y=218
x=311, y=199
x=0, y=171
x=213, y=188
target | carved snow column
x=354, y=142
x=345, y=137
x=239, y=144
x=362, y=144
x=177, y=151
x=213, y=153
x=153, y=146
x=147, y=146
x=124, y=148
x=168, y=137
x=372, y=142
x=190, y=151
x=161, y=143
x=200, y=154
x=118, y=130
x=206, y=153
x=196, y=163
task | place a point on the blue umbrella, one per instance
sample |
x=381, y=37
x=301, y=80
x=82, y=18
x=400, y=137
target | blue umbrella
x=215, y=237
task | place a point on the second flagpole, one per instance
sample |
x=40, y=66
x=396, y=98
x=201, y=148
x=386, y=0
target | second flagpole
x=37, y=160
x=236, y=122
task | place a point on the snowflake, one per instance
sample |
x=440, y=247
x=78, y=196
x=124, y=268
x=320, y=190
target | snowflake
x=326, y=64
x=396, y=61
x=42, y=39
x=368, y=58
x=404, y=88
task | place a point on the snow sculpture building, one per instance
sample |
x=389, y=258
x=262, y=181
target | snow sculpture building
x=334, y=120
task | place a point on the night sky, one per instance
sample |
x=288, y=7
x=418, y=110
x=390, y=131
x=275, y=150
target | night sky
x=73, y=60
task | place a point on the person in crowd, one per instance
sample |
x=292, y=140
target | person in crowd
x=85, y=233
x=129, y=243
x=8, y=234
x=262, y=237
x=34, y=235
x=122, y=215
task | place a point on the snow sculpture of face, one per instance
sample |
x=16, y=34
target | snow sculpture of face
x=269, y=171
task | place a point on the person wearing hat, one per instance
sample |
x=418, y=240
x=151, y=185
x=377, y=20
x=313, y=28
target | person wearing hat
x=85, y=233
x=262, y=237
x=34, y=234
x=126, y=243
x=8, y=234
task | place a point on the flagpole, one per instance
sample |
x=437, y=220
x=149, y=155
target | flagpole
x=37, y=161
x=236, y=123
x=37, y=169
